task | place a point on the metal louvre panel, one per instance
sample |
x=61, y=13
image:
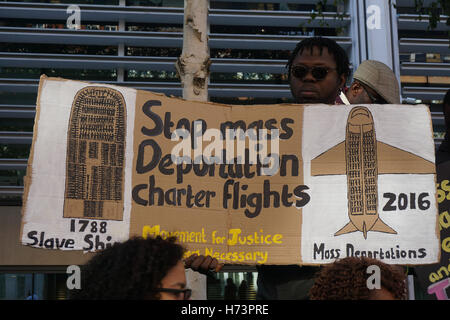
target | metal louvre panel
x=96, y=13
x=424, y=69
x=427, y=69
x=151, y=39
x=235, y=41
x=417, y=22
x=124, y=20
x=424, y=45
x=90, y=37
x=215, y=89
x=167, y=15
x=6, y=164
x=425, y=93
x=32, y=60
x=277, y=19
x=11, y=190
x=17, y=111
x=15, y=137
x=70, y=61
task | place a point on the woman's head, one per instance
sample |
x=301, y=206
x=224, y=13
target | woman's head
x=134, y=269
x=346, y=279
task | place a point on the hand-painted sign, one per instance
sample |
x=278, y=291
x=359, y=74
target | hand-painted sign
x=435, y=278
x=279, y=184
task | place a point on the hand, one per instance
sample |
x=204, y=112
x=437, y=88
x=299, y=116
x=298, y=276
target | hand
x=202, y=264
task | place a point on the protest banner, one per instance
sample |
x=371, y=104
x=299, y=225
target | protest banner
x=260, y=184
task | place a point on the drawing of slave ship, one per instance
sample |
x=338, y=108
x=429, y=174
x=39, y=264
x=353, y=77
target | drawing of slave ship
x=95, y=155
x=362, y=158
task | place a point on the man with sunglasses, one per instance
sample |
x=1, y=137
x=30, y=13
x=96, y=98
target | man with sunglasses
x=373, y=83
x=318, y=69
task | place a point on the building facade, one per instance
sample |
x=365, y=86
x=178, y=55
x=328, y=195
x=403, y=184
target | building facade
x=135, y=43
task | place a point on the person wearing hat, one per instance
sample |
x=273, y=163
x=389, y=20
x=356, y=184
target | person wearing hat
x=373, y=83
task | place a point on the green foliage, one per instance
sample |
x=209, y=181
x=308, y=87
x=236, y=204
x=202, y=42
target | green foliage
x=321, y=8
x=434, y=11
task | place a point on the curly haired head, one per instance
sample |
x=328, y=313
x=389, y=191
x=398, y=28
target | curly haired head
x=346, y=279
x=129, y=270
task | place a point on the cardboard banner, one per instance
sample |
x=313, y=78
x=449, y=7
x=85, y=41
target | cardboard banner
x=278, y=184
x=435, y=278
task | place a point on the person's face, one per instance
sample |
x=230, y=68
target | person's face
x=362, y=94
x=308, y=89
x=175, y=279
x=357, y=95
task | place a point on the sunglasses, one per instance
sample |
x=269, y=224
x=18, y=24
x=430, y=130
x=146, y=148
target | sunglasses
x=375, y=100
x=319, y=73
x=186, y=292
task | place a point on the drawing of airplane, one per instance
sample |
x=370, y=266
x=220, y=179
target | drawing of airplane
x=362, y=158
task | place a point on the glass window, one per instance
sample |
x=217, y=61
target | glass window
x=149, y=75
x=250, y=54
x=156, y=3
x=250, y=100
x=74, y=74
x=33, y=286
x=281, y=31
x=248, y=77
x=57, y=24
x=10, y=200
x=16, y=286
x=58, y=48
x=232, y=286
x=11, y=177
x=106, y=2
x=153, y=52
x=153, y=27
x=18, y=98
x=235, y=5
x=15, y=151
x=17, y=124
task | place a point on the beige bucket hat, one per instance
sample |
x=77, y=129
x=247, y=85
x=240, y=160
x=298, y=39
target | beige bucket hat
x=380, y=78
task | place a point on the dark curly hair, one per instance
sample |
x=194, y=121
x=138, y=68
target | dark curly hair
x=129, y=270
x=346, y=279
x=339, y=54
